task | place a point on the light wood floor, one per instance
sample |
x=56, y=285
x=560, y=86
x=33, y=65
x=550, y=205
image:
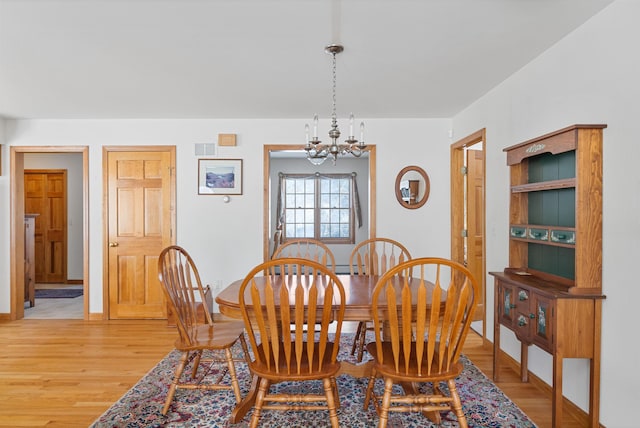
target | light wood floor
x=66, y=373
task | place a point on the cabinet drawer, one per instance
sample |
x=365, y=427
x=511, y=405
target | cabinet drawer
x=563, y=236
x=538, y=234
x=518, y=232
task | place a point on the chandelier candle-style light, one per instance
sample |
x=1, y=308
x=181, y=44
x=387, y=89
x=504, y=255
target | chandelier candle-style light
x=317, y=152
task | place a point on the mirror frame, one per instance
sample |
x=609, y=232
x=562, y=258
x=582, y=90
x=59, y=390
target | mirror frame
x=427, y=187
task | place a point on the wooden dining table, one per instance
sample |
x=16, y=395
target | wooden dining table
x=358, y=307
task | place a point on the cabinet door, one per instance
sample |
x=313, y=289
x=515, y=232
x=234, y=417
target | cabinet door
x=543, y=321
x=523, y=319
x=506, y=304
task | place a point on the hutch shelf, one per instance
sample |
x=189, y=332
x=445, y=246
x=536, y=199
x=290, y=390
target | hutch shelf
x=551, y=293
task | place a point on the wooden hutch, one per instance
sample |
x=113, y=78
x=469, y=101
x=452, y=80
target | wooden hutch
x=551, y=293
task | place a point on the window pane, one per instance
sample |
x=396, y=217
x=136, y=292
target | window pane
x=308, y=216
x=325, y=231
x=325, y=199
x=290, y=216
x=310, y=200
x=344, y=230
x=344, y=216
x=344, y=201
x=310, y=186
x=300, y=186
x=325, y=185
x=290, y=230
x=335, y=200
x=308, y=230
x=290, y=200
x=335, y=216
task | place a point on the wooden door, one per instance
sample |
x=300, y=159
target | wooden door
x=475, y=221
x=141, y=218
x=45, y=193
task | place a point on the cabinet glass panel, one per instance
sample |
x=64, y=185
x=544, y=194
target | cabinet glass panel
x=554, y=260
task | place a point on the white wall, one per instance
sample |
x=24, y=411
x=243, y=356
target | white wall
x=591, y=76
x=5, y=241
x=205, y=224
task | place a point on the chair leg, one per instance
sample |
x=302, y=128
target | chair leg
x=257, y=408
x=363, y=337
x=329, y=392
x=336, y=395
x=356, y=338
x=369, y=393
x=175, y=381
x=232, y=374
x=196, y=364
x=456, y=404
x=245, y=349
x=386, y=403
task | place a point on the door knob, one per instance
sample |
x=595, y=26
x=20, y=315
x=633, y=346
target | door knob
x=113, y=244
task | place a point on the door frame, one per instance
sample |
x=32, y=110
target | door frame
x=105, y=208
x=16, y=265
x=458, y=208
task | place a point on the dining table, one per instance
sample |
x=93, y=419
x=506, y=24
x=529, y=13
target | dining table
x=358, y=307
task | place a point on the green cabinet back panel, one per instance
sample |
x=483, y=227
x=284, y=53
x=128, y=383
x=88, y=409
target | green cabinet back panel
x=548, y=167
x=553, y=207
x=554, y=260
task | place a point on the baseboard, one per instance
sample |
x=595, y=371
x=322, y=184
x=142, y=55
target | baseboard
x=74, y=281
x=96, y=316
x=5, y=317
x=567, y=405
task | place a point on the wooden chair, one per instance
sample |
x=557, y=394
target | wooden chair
x=306, y=248
x=423, y=340
x=292, y=292
x=373, y=257
x=181, y=284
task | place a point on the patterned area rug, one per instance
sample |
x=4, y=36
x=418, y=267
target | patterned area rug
x=484, y=404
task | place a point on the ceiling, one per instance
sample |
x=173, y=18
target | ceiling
x=265, y=58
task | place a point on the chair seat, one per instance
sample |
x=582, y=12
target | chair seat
x=212, y=337
x=388, y=369
x=283, y=373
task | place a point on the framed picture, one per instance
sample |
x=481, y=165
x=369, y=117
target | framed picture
x=220, y=176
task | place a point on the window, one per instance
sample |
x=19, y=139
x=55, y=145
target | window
x=318, y=207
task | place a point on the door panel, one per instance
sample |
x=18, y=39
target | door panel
x=140, y=224
x=46, y=194
x=475, y=221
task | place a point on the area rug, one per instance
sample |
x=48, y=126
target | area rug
x=58, y=293
x=484, y=404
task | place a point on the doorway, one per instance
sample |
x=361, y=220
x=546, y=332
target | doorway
x=18, y=157
x=297, y=151
x=468, y=211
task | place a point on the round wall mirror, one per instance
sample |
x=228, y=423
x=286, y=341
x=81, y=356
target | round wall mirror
x=412, y=187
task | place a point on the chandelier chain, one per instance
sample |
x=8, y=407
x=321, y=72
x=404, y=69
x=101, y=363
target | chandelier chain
x=334, y=115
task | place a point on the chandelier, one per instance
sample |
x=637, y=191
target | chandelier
x=317, y=152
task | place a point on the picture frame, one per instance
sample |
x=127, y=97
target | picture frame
x=220, y=176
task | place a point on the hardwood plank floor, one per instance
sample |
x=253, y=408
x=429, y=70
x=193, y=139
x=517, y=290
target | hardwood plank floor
x=66, y=373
